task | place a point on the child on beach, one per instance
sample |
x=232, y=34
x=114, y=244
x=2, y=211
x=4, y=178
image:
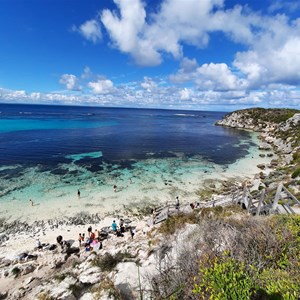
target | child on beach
x=114, y=226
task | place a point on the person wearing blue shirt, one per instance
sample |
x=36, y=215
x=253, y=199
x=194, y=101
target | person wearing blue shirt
x=114, y=226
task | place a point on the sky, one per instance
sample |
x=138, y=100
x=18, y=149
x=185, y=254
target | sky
x=218, y=55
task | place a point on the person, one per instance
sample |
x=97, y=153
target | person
x=122, y=228
x=192, y=205
x=31, y=202
x=78, y=194
x=114, y=226
x=177, y=203
x=131, y=232
x=119, y=233
x=92, y=236
x=79, y=239
x=59, y=240
x=89, y=231
x=115, y=188
x=38, y=244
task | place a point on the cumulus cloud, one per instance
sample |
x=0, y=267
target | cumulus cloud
x=70, y=81
x=145, y=41
x=101, y=86
x=148, y=84
x=185, y=94
x=217, y=77
x=90, y=29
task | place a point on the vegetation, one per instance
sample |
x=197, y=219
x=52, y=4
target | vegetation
x=296, y=173
x=108, y=262
x=108, y=286
x=44, y=296
x=234, y=258
x=274, y=115
x=15, y=271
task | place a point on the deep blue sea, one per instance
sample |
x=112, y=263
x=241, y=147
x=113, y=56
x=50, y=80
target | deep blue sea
x=48, y=135
x=152, y=155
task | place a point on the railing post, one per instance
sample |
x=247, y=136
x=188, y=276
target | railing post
x=244, y=199
x=261, y=199
x=277, y=196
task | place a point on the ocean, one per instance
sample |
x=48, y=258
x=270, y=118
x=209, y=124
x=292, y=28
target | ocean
x=48, y=152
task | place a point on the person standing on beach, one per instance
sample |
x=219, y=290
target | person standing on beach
x=78, y=194
x=131, y=232
x=31, y=202
x=115, y=188
x=79, y=239
x=177, y=203
x=114, y=226
x=122, y=227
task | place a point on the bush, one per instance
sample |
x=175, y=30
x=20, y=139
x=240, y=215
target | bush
x=223, y=279
x=108, y=286
x=44, y=296
x=240, y=258
x=108, y=262
x=174, y=223
x=296, y=173
x=279, y=282
x=15, y=271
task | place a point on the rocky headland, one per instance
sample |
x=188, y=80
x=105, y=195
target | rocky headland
x=279, y=130
x=195, y=254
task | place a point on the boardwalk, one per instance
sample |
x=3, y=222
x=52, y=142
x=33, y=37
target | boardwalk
x=275, y=201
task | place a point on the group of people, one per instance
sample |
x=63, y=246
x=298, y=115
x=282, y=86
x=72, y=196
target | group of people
x=92, y=241
x=119, y=230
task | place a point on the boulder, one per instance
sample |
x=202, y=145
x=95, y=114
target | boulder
x=91, y=275
x=27, y=269
x=265, y=147
x=261, y=166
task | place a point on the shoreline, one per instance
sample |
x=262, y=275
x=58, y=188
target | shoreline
x=23, y=232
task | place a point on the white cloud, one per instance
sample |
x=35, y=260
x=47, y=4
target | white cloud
x=185, y=94
x=101, y=86
x=148, y=84
x=70, y=81
x=91, y=30
x=217, y=77
x=125, y=31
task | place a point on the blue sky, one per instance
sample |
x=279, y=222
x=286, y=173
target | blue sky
x=180, y=54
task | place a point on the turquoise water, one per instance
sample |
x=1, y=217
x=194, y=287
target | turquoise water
x=11, y=125
x=49, y=152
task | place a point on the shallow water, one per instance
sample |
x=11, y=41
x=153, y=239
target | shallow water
x=48, y=152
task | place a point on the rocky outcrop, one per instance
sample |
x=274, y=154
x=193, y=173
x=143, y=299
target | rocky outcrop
x=278, y=128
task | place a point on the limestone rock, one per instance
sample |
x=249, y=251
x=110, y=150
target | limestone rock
x=90, y=276
x=265, y=146
x=27, y=269
x=261, y=166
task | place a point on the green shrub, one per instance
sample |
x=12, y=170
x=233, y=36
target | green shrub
x=15, y=271
x=296, y=173
x=223, y=279
x=279, y=282
x=296, y=156
x=108, y=262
